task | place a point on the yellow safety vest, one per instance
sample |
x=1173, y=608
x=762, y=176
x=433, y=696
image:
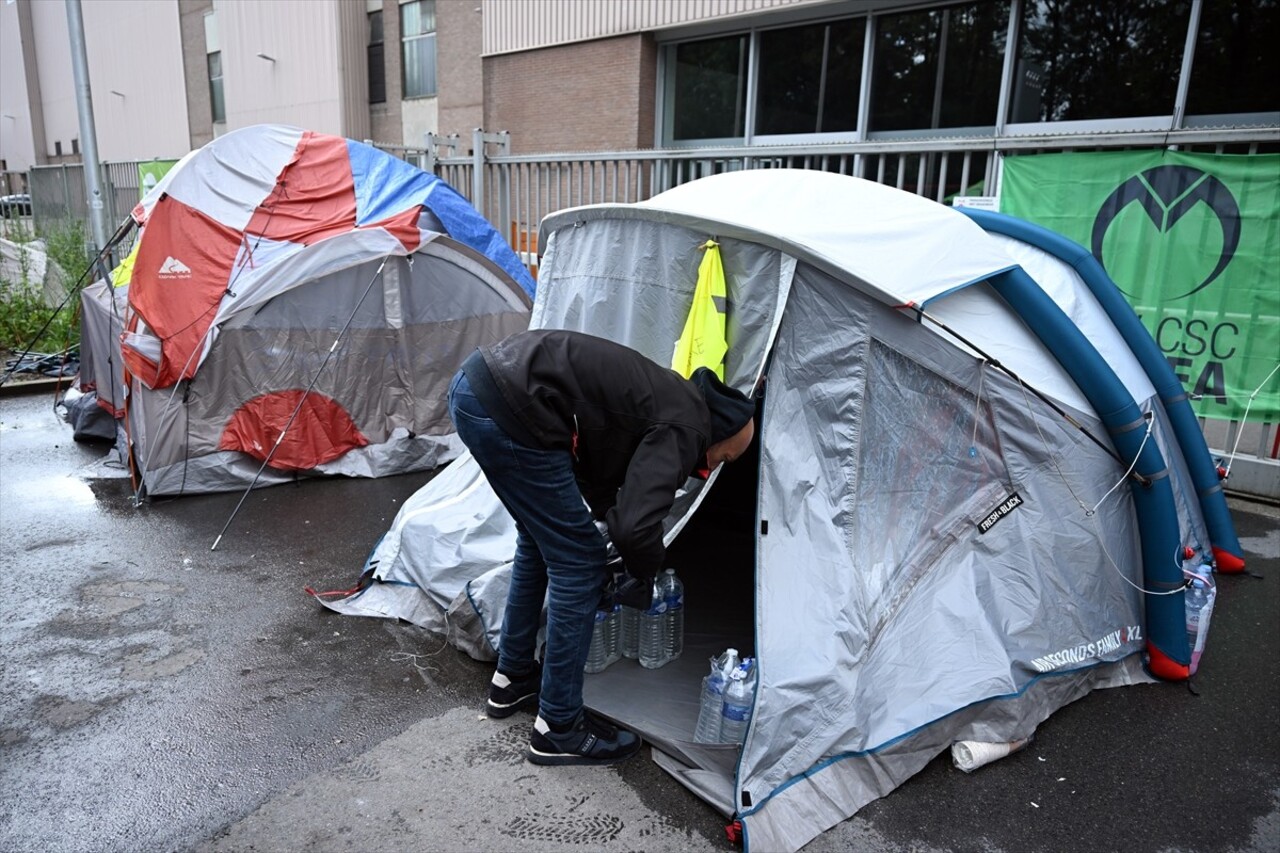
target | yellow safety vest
x=702, y=344
x=123, y=272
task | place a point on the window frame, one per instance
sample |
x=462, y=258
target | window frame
x=380, y=47
x=753, y=72
x=666, y=95
x=1176, y=118
x=215, y=83
x=405, y=40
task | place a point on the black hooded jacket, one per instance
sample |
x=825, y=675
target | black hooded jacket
x=636, y=430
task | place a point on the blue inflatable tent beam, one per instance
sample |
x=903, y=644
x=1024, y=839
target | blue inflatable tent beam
x=1170, y=654
x=1227, y=553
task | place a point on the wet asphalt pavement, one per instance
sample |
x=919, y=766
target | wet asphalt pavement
x=158, y=696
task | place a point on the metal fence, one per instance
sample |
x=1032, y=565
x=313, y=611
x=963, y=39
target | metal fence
x=516, y=191
x=58, y=195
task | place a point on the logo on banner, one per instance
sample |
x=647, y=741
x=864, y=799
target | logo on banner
x=174, y=268
x=1167, y=194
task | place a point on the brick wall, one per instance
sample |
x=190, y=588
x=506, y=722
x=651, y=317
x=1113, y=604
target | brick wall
x=385, y=122
x=589, y=96
x=195, y=69
x=459, y=82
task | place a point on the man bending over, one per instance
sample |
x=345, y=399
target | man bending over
x=555, y=417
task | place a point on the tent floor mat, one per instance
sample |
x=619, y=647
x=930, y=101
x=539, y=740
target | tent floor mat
x=662, y=704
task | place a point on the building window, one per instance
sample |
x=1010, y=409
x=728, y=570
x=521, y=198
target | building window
x=810, y=78
x=418, y=47
x=939, y=68
x=377, y=67
x=217, y=104
x=1101, y=65
x=57, y=147
x=75, y=145
x=1098, y=59
x=709, y=89
x=213, y=63
x=1236, y=64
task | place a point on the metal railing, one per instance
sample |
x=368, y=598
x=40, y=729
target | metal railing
x=58, y=196
x=515, y=192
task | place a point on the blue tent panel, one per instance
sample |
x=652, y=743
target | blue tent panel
x=386, y=186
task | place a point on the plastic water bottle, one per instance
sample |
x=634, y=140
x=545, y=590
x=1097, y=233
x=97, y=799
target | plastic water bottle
x=653, y=631
x=629, y=642
x=712, y=706
x=1199, y=598
x=598, y=653
x=673, y=595
x=736, y=710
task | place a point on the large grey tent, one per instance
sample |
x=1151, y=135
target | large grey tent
x=926, y=550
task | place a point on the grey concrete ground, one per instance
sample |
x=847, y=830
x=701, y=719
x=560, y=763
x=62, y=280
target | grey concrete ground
x=157, y=696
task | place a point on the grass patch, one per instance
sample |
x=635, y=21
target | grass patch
x=25, y=308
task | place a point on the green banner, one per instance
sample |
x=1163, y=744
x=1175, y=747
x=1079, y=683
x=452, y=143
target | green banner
x=150, y=173
x=1193, y=240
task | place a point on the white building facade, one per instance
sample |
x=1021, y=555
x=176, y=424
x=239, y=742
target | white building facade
x=574, y=75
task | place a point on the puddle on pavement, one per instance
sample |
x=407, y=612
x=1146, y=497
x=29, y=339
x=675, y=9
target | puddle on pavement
x=50, y=543
x=12, y=737
x=63, y=492
x=106, y=599
x=114, y=496
x=138, y=668
x=63, y=713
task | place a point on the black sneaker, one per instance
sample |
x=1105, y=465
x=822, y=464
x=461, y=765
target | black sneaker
x=589, y=740
x=508, y=695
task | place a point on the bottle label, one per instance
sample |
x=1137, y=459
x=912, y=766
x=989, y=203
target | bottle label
x=675, y=602
x=658, y=608
x=737, y=713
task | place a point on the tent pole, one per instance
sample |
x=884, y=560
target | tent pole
x=301, y=400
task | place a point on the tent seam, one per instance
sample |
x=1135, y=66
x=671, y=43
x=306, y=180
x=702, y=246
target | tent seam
x=813, y=771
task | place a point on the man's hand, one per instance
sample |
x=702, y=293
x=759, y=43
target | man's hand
x=634, y=592
x=629, y=591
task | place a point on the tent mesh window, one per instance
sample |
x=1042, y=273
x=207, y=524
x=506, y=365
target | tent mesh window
x=925, y=473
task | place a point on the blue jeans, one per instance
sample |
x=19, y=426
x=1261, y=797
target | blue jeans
x=560, y=555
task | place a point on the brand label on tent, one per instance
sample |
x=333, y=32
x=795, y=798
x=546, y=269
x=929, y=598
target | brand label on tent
x=1088, y=651
x=1191, y=241
x=173, y=267
x=1006, y=506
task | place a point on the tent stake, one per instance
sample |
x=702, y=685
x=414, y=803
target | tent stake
x=301, y=400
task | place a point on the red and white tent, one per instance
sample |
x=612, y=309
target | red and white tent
x=299, y=283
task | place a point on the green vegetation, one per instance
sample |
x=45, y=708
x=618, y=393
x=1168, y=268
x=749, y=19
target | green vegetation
x=23, y=308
